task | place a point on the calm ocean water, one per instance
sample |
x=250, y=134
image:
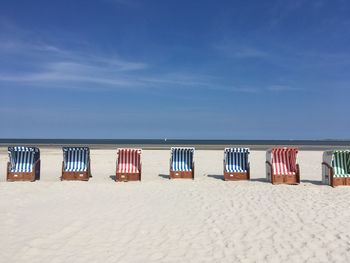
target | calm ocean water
x=166, y=143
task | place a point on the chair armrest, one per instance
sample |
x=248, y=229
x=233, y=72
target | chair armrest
x=326, y=164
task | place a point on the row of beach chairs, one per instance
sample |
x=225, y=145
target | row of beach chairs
x=281, y=165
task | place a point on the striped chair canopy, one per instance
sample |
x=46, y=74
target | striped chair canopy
x=236, y=159
x=23, y=158
x=181, y=159
x=284, y=161
x=129, y=160
x=76, y=159
x=341, y=163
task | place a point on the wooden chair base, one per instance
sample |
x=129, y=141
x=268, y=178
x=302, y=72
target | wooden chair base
x=181, y=175
x=77, y=176
x=125, y=177
x=235, y=176
x=340, y=181
x=24, y=176
x=285, y=179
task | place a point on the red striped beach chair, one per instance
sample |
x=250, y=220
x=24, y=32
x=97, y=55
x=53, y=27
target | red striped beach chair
x=282, y=166
x=336, y=168
x=128, y=165
x=24, y=164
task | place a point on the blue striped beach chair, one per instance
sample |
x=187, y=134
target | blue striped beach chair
x=236, y=164
x=182, y=163
x=336, y=167
x=24, y=164
x=76, y=163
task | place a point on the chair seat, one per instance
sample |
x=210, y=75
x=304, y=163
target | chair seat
x=288, y=173
x=341, y=175
x=128, y=170
x=235, y=170
x=22, y=168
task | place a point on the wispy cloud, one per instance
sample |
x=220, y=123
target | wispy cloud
x=282, y=88
x=49, y=64
x=40, y=64
x=233, y=50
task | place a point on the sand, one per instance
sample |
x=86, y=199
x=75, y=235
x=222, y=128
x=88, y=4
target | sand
x=162, y=220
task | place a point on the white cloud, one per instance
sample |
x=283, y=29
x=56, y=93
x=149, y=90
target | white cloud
x=281, y=88
x=240, y=51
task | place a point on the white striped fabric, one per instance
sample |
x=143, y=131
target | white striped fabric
x=341, y=163
x=129, y=160
x=76, y=159
x=181, y=158
x=284, y=161
x=23, y=158
x=236, y=159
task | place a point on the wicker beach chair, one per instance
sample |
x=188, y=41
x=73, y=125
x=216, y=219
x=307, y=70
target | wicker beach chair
x=76, y=163
x=24, y=164
x=236, y=164
x=128, y=165
x=182, y=163
x=282, y=166
x=336, y=167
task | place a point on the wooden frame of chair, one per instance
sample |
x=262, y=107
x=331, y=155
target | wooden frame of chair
x=78, y=176
x=24, y=176
x=237, y=176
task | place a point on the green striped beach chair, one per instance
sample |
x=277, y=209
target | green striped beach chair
x=24, y=164
x=76, y=163
x=336, y=167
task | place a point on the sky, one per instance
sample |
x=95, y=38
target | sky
x=245, y=69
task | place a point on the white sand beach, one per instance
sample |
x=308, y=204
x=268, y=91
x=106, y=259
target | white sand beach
x=162, y=220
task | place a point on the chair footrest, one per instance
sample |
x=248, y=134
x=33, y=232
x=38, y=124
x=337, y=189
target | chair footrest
x=236, y=176
x=79, y=176
x=181, y=175
x=124, y=177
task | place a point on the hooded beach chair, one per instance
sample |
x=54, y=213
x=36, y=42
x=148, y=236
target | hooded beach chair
x=336, y=167
x=24, y=164
x=76, y=163
x=236, y=164
x=182, y=163
x=282, y=167
x=128, y=165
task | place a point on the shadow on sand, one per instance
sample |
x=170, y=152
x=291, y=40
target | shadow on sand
x=262, y=180
x=312, y=182
x=216, y=176
x=165, y=176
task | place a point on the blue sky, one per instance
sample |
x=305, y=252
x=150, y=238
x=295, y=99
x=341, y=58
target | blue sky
x=245, y=69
